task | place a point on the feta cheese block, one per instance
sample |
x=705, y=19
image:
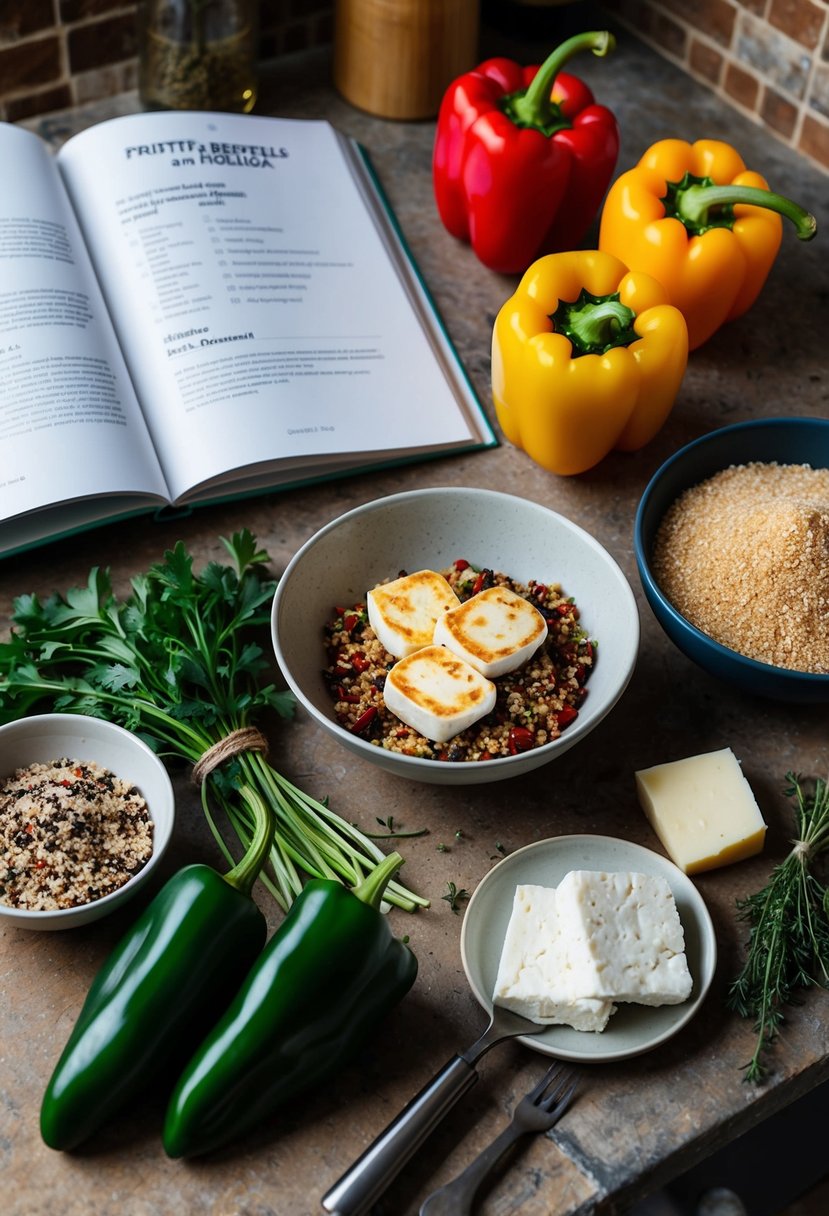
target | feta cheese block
x=437, y=694
x=624, y=937
x=495, y=631
x=403, y=613
x=533, y=976
x=703, y=810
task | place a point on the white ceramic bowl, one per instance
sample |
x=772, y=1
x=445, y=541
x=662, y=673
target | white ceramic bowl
x=46, y=737
x=429, y=529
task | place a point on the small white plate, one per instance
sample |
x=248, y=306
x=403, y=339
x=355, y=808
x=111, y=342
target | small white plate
x=633, y=1028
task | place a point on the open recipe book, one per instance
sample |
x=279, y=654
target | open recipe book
x=198, y=305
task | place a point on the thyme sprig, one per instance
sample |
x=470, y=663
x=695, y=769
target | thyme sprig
x=178, y=663
x=455, y=895
x=788, y=941
x=393, y=831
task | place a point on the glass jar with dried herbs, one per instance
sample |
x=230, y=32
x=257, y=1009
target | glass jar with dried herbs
x=198, y=54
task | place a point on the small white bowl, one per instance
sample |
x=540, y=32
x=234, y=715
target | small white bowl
x=46, y=737
x=633, y=1029
x=430, y=529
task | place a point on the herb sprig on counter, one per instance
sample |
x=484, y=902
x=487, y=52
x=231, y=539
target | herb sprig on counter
x=455, y=895
x=393, y=831
x=788, y=942
x=178, y=663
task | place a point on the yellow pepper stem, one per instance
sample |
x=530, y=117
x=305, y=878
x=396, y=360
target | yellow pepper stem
x=595, y=324
x=694, y=201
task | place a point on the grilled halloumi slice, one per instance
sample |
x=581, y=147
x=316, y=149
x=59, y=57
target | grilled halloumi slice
x=495, y=631
x=403, y=613
x=437, y=694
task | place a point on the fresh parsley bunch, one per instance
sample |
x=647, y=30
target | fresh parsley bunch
x=177, y=662
x=788, y=941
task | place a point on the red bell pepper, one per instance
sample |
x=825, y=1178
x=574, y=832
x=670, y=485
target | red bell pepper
x=523, y=156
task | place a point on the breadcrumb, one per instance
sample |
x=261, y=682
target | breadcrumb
x=744, y=556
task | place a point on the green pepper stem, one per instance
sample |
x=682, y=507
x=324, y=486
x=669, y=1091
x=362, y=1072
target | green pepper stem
x=370, y=890
x=694, y=203
x=245, y=872
x=595, y=324
x=535, y=107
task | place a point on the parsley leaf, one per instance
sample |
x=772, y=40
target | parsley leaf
x=179, y=662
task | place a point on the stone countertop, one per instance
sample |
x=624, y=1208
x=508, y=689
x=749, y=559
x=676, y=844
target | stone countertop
x=636, y=1123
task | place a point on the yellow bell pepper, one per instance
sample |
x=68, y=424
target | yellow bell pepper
x=694, y=217
x=586, y=357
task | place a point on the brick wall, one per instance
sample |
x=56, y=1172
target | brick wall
x=58, y=53
x=769, y=58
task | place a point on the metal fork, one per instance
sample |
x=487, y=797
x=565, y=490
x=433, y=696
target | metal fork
x=365, y=1181
x=538, y=1111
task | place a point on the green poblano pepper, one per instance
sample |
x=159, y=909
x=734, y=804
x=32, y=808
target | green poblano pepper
x=326, y=979
x=173, y=973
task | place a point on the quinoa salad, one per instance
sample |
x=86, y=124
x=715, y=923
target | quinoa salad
x=534, y=704
x=70, y=833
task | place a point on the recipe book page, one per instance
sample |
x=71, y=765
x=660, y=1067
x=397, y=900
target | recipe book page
x=258, y=308
x=70, y=426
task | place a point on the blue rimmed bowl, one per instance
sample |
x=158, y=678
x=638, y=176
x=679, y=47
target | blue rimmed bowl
x=766, y=440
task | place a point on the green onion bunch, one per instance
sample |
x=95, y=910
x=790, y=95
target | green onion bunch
x=177, y=662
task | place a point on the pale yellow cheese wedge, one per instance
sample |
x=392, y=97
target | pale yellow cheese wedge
x=437, y=694
x=495, y=631
x=703, y=810
x=403, y=613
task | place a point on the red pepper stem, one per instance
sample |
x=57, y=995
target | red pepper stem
x=370, y=890
x=536, y=108
x=245, y=872
x=694, y=203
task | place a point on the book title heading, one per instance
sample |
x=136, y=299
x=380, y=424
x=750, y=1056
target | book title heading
x=197, y=152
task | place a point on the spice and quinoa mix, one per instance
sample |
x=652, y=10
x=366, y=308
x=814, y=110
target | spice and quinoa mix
x=535, y=703
x=70, y=833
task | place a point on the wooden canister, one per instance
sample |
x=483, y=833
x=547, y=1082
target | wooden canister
x=395, y=58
